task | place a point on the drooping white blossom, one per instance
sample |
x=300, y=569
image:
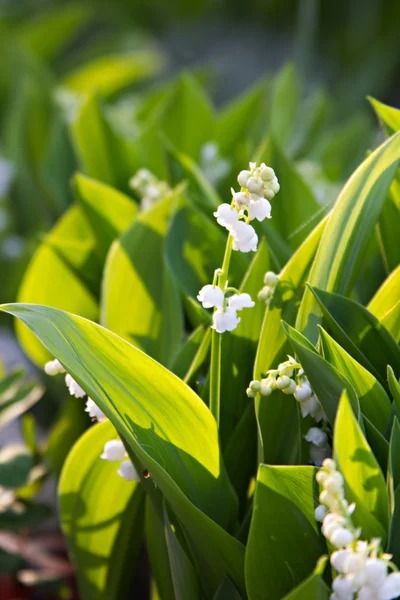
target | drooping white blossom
x=240, y=301
x=113, y=450
x=226, y=216
x=94, y=411
x=74, y=387
x=211, y=296
x=225, y=319
x=244, y=236
x=54, y=367
x=259, y=208
x=128, y=471
x=148, y=187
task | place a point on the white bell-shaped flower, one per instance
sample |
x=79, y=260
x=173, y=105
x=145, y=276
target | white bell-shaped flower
x=74, y=387
x=341, y=537
x=391, y=587
x=339, y=558
x=271, y=279
x=375, y=572
x=245, y=237
x=211, y=296
x=113, y=450
x=54, y=367
x=316, y=436
x=320, y=512
x=240, y=301
x=259, y=208
x=128, y=471
x=241, y=199
x=94, y=411
x=343, y=589
x=303, y=392
x=225, y=319
x=226, y=216
x=319, y=453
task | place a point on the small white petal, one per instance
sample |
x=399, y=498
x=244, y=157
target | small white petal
x=241, y=199
x=211, y=296
x=341, y=537
x=320, y=512
x=226, y=216
x=260, y=209
x=316, y=436
x=303, y=392
x=243, y=178
x=240, y=301
x=54, y=367
x=94, y=411
x=128, y=471
x=74, y=387
x=225, y=320
x=271, y=279
x=375, y=571
x=113, y=450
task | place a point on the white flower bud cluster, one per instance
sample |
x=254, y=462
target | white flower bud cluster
x=290, y=378
x=54, y=367
x=271, y=280
x=225, y=316
x=247, y=205
x=114, y=451
x=213, y=166
x=361, y=566
x=149, y=188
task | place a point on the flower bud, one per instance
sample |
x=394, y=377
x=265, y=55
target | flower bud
x=54, y=367
x=113, y=450
x=329, y=464
x=303, y=392
x=271, y=278
x=243, y=178
x=283, y=382
x=251, y=393
x=128, y=471
x=320, y=512
x=267, y=174
x=334, y=483
x=254, y=186
x=255, y=385
x=341, y=537
x=290, y=389
x=265, y=390
x=326, y=498
x=241, y=199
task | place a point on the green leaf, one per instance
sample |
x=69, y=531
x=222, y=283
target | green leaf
x=140, y=301
x=313, y=588
x=374, y=402
x=16, y=397
x=387, y=231
x=359, y=332
x=195, y=247
x=285, y=103
x=227, y=591
x=157, y=550
x=284, y=543
x=188, y=120
x=326, y=381
x=54, y=277
x=108, y=212
x=15, y=465
x=157, y=414
x=387, y=115
x=364, y=482
x=385, y=305
x=393, y=475
x=348, y=230
x=108, y=75
x=187, y=354
x=185, y=581
x=33, y=513
x=104, y=537
x=394, y=386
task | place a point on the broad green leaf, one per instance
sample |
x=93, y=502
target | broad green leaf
x=239, y=349
x=387, y=115
x=326, y=381
x=195, y=247
x=284, y=104
x=364, y=481
x=184, y=358
x=157, y=414
x=387, y=228
x=227, y=591
x=16, y=463
x=313, y=588
x=284, y=303
x=393, y=474
x=359, y=332
x=108, y=75
x=348, y=230
x=139, y=299
x=108, y=211
x=374, y=402
x=236, y=118
x=101, y=516
x=157, y=550
x=54, y=277
x=284, y=543
x=385, y=305
x=188, y=120
x=394, y=386
x=295, y=211
x=47, y=34
x=185, y=581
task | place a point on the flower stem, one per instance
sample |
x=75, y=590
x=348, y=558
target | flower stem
x=216, y=341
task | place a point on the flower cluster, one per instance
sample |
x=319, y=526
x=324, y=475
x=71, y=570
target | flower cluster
x=225, y=316
x=54, y=367
x=213, y=166
x=361, y=566
x=290, y=378
x=149, y=188
x=114, y=450
x=270, y=282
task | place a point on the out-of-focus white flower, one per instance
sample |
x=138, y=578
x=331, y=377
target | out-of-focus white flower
x=271, y=279
x=213, y=166
x=113, y=450
x=54, y=367
x=320, y=512
x=7, y=499
x=226, y=216
x=225, y=319
x=128, y=471
x=391, y=587
x=94, y=411
x=244, y=236
x=74, y=387
x=240, y=301
x=12, y=246
x=151, y=189
x=211, y=296
x=316, y=436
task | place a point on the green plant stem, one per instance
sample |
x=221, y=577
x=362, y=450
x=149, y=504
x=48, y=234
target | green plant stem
x=216, y=342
